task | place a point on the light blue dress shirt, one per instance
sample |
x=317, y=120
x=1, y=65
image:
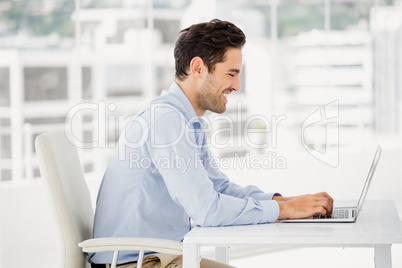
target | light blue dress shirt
x=162, y=175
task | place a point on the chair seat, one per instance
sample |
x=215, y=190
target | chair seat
x=132, y=243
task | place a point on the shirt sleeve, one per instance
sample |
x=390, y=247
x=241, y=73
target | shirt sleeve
x=187, y=180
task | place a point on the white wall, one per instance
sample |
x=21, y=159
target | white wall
x=27, y=230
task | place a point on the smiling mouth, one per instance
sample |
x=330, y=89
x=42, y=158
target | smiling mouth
x=225, y=95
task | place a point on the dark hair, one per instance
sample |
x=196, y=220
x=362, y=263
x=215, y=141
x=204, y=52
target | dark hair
x=209, y=41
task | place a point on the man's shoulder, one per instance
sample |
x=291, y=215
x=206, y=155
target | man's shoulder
x=165, y=106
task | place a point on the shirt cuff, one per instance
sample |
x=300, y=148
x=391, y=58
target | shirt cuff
x=265, y=196
x=270, y=211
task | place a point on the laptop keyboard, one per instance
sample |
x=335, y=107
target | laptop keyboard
x=336, y=214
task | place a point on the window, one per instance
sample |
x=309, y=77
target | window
x=4, y=87
x=45, y=83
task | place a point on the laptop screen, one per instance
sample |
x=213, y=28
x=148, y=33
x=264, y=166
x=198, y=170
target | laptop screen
x=368, y=180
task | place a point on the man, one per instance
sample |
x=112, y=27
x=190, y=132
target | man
x=161, y=176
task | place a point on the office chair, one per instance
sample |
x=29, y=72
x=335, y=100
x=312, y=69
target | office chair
x=62, y=172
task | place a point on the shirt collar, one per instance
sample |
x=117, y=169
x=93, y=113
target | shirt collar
x=188, y=109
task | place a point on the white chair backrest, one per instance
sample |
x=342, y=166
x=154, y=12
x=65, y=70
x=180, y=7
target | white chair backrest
x=61, y=169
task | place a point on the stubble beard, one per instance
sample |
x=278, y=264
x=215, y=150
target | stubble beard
x=207, y=100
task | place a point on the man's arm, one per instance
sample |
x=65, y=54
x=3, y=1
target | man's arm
x=188, y=182
x=191, y=188
x=290, y=207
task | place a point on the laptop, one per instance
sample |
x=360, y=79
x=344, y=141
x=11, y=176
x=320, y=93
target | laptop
x=345, y=214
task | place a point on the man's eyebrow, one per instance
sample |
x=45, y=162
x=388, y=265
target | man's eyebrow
x=234, y=71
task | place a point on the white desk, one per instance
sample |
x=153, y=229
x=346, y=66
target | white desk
x=378, y=226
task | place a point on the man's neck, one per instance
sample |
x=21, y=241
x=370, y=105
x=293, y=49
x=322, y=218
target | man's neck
x=189, y=88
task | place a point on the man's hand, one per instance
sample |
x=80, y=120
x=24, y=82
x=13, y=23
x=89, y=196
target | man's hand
x=304, y=206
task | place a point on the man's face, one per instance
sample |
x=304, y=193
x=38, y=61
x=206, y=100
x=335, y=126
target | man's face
x=216, y=87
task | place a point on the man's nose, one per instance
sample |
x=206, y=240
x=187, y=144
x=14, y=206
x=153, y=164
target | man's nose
x=236, y=84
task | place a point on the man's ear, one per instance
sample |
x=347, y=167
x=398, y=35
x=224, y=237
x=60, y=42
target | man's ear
x=196, y=67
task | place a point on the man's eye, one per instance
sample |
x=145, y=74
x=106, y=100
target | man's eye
x=232, y=75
